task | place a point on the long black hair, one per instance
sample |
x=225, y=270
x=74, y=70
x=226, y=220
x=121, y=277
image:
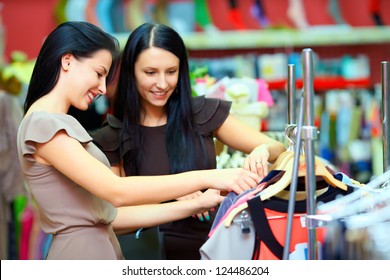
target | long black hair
x=82, y=40
x=181, y=133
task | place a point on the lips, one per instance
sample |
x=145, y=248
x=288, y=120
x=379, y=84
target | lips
x=158, y=93
x=91, y=96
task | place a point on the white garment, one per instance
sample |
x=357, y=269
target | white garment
x=229, y=243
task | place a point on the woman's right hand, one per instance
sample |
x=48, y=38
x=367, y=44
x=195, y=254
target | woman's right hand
x=237, y=180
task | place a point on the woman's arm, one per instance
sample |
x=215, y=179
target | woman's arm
x=69, y=157
x=118, y=170
x=260, y=147
x=132, y=218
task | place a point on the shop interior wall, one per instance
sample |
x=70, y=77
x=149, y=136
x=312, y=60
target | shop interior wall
x=28, y=22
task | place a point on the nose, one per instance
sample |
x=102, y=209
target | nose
x=162, y=82
x=102, y=87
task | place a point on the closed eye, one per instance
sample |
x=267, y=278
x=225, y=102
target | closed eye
x=172, y=71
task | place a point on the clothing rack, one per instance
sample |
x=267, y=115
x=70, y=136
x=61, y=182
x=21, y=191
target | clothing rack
x=353, y=203
x=308, y=133
x=291, y=92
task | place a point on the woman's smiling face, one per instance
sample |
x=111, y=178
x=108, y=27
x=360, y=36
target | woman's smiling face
x=156, y=74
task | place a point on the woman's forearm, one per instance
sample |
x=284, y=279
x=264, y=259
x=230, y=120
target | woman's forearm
x=131, y=218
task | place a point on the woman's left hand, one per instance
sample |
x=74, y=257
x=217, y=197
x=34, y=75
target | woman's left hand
x=257, y=161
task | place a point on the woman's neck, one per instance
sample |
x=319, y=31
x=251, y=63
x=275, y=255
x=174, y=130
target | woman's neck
x=50, y=104
x=153, y=117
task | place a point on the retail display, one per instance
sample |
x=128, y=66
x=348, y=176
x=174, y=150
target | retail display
x=246, y=52
x=319, y=227
x=297, y=14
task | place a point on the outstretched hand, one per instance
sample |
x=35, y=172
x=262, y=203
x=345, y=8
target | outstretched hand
x=257, y=161
x=209, y=198
x=237, y=180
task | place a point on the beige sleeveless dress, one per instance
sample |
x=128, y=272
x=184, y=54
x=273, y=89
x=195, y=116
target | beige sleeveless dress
x=79, y=221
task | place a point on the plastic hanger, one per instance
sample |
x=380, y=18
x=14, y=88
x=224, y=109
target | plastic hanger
x=284, y=182
x=280, y=164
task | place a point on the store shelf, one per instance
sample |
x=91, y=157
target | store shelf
x=314, y=36
x=324, y=83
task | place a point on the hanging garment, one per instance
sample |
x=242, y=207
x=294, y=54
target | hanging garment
x=358, y=224
x=234, y=242
x=234, y=199
x=27, y=222
x=11, y=178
